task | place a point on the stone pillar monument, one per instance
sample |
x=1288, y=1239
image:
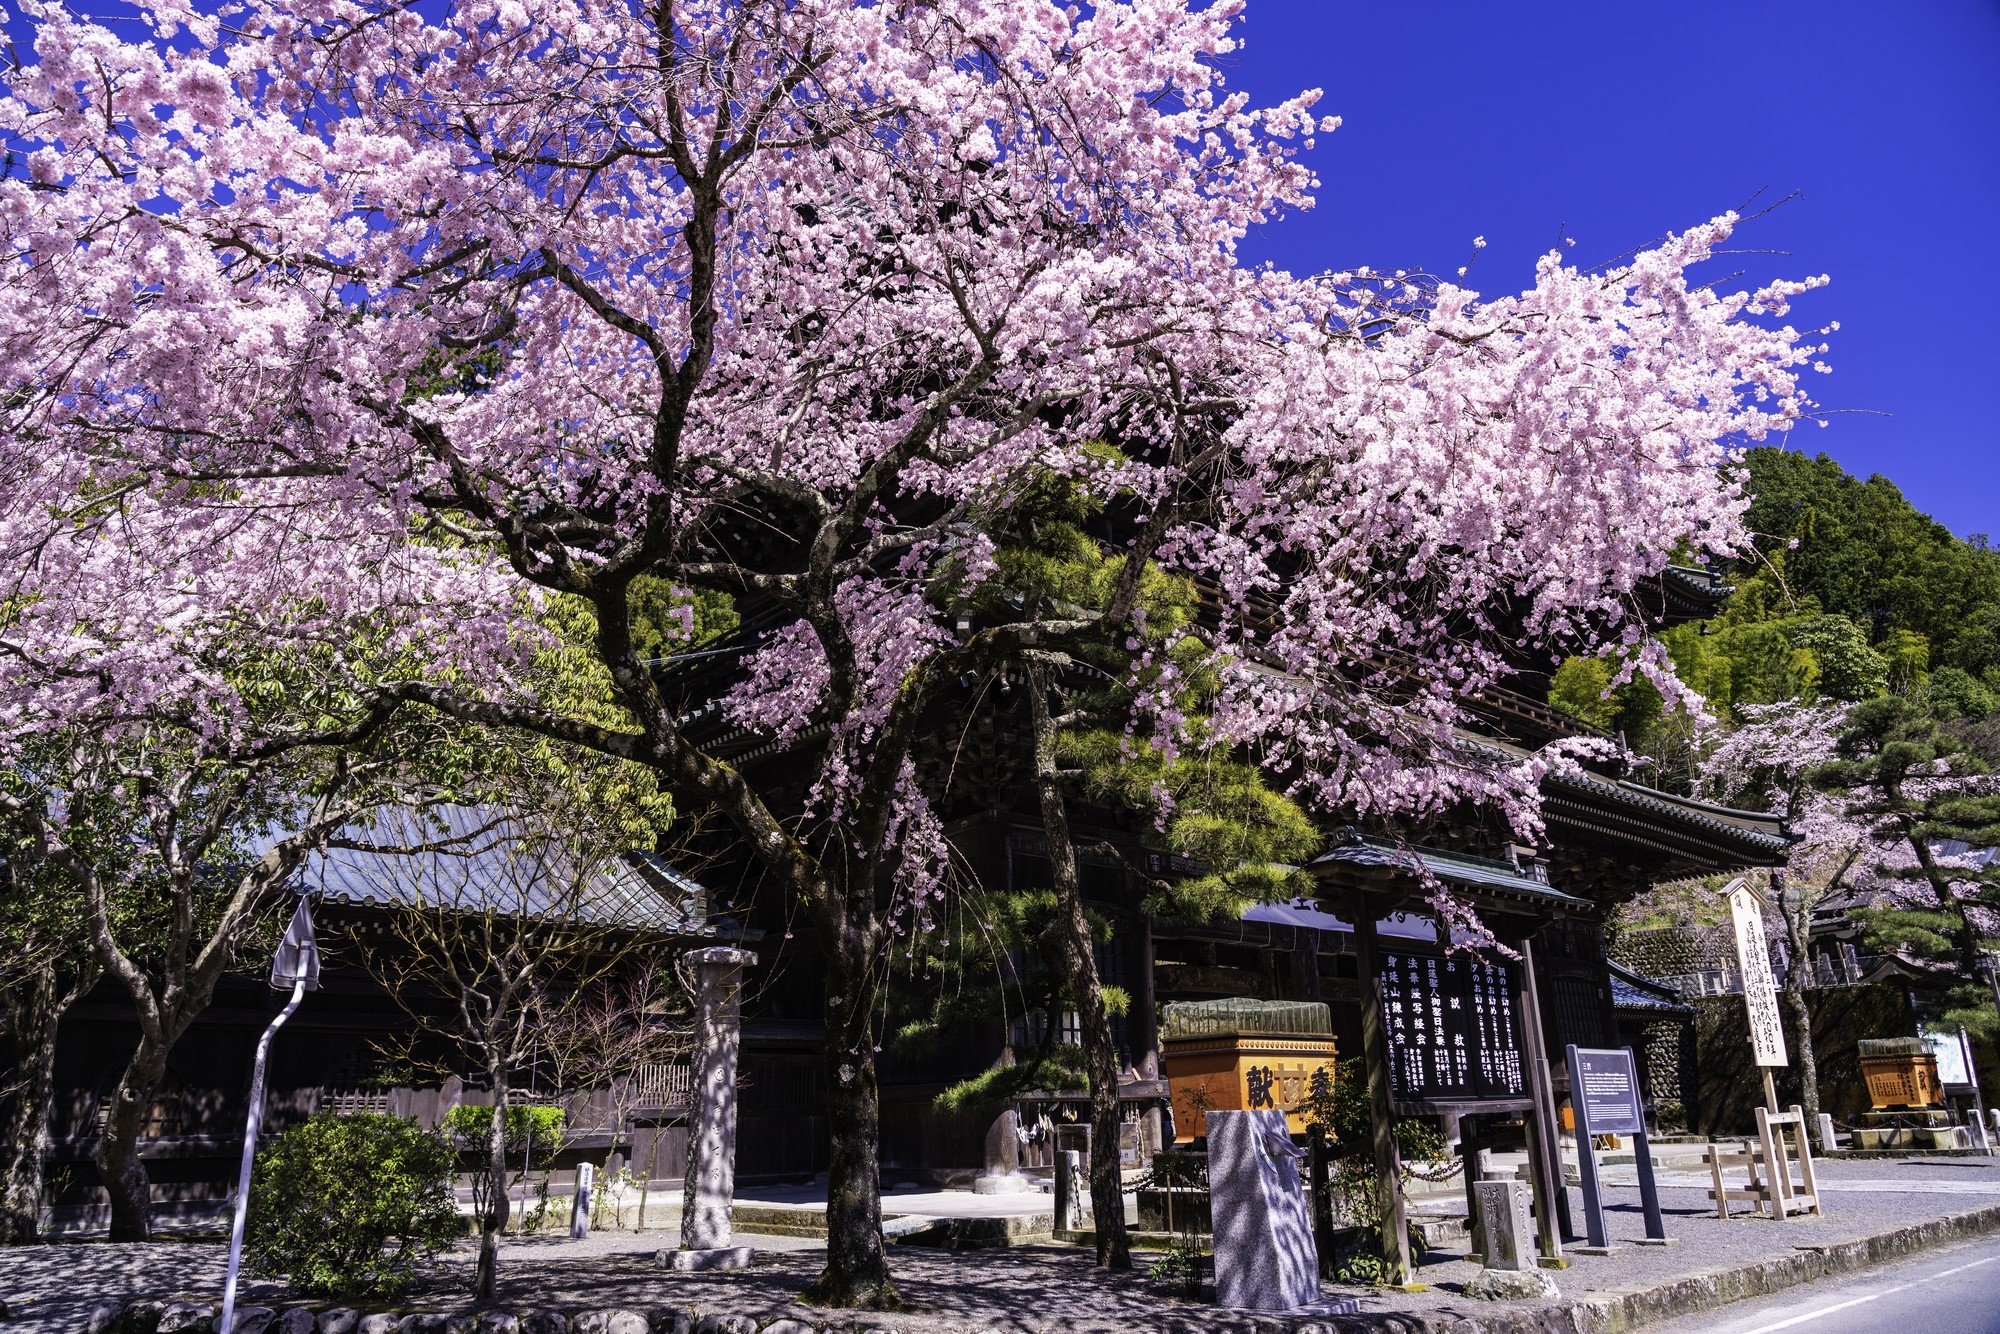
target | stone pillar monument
x=710, y=1187
x=1510, y=1270
x=1265, y=1256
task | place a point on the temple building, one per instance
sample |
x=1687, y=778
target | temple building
x=1467, y=1030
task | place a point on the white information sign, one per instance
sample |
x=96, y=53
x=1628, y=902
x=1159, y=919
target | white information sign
x=1760, y=991
x=1953, y=1068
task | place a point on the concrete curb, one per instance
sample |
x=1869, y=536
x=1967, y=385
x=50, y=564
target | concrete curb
x=1615, y=1310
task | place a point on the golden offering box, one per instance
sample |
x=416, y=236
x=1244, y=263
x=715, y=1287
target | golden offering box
x=1244, y=1055
x=1900, y=1072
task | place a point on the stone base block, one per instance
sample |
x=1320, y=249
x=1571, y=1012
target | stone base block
x=973, y=1234
x=1912, y=1117
x=1512, y=1285
x=1876, y=1138
x=1008, y=1184
x=723, y=1257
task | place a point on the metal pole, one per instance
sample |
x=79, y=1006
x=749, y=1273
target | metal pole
x=1586, y=1156
x=1984, y=1137
x=224, y=1326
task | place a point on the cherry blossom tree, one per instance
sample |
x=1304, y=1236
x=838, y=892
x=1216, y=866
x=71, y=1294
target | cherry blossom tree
x=549, y=301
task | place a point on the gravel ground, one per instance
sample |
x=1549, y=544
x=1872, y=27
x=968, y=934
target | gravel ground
x=1039, y=1290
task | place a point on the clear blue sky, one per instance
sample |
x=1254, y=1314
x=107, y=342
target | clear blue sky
x=1511, y=118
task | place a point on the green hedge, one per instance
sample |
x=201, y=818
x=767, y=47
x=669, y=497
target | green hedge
x=351, y=1204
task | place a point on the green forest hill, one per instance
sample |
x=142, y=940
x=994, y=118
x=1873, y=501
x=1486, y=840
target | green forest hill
x=1852, y=592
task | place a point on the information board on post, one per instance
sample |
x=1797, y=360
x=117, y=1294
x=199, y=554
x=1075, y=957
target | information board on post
x=1607, y=1088
x=1760, y=989
x=1605, y=1096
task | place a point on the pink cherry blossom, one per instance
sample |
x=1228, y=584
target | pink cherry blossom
x=333, y=318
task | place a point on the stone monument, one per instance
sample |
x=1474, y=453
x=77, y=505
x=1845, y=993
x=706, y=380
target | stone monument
x=1510, y=1272
x=1071, y=1191
x=710, y=1189
x=579, y=1207
x=1003, y=1157
x=1265, y=1257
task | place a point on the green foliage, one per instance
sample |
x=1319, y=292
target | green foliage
x=1910, y=778
x=351, y=1204
x=1843, y=665
x=1341, y=1111
x=668, y=620
x=1851, y=593
x=1952, y=692
x=1219, y=810
x=1237, y=837
x=1223, y=815
x=1581, y=688
x=1865, y=553
x=1005, y=964
x=1180, y=1267
x=1056, y=1069
x=538, y=1129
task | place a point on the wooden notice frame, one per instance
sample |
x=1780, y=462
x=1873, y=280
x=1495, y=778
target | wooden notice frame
x=1774, y=1193
x=1364, y=895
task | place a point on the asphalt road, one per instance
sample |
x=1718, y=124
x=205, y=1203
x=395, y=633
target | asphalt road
x=1952, y=1290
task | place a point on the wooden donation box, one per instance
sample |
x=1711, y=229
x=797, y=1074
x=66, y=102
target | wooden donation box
x=1901, y=1072
x=1244, y=1056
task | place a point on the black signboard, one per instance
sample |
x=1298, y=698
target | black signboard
x=1608, y=1087
x=1451, y=1027
x=1604, y=1092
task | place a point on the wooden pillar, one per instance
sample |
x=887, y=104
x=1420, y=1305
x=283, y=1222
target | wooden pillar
x=1544, y=1144
x=1143, y=1023
x=1305, y=963
x=1395, y=1240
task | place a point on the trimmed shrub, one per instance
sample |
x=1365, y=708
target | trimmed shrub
x=351, y=1204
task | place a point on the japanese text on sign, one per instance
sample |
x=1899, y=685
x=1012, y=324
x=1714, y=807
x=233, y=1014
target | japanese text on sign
x=1605, y=1084
x=1450, y=1025
x=1760, y=991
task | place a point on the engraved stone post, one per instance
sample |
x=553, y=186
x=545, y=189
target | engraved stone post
x=1503, y=1220
x=1069, y=1170
x=710, y=1188
x=579, y=1208
x=1510, y=1272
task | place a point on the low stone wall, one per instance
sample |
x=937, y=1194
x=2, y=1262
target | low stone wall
x=199, y=1317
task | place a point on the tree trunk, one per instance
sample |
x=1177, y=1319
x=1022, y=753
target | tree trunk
x=1079, y=960
x=36, y=1008
x=119, y=1166
x=1965, y=937
x=498, y=1202
x=857, y=1266
x=1797, y=917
